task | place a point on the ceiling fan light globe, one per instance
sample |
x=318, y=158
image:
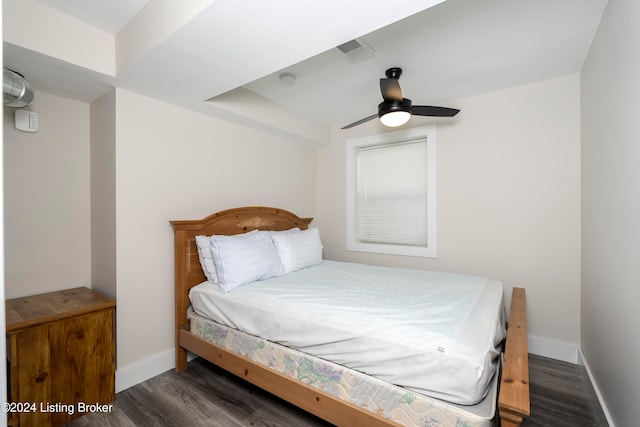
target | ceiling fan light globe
x=395, y=118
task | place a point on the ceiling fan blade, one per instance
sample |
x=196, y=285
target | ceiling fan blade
x=428, y=110
x=390, y=89
x=359, y=122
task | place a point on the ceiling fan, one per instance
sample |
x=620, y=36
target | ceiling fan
x=395, y=110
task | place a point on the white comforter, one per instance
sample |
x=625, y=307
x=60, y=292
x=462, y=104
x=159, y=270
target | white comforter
x=434, y=333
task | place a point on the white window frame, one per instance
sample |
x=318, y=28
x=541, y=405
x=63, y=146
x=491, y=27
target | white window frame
x=353, y=244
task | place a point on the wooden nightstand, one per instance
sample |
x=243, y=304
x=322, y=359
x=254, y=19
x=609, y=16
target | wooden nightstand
x=61, y=356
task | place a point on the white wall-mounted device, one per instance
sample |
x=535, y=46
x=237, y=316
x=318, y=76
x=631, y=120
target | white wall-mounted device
x=26, y=121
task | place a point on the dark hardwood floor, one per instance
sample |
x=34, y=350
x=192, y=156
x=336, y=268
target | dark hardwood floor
x=561, y=395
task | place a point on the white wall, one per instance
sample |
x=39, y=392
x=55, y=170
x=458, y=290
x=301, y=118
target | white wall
x=103, y=195
x=47, y=207
x=610, y=211
x=508, y=190
x=173, y=163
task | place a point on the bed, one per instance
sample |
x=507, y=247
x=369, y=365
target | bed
x=318, y=381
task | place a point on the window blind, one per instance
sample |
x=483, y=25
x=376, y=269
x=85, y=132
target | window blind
x=392, y=193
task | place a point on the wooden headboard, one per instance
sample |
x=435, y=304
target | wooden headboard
x=188, y=272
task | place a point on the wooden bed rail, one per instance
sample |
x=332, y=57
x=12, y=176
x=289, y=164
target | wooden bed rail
x=320, y=403
x=513, y=404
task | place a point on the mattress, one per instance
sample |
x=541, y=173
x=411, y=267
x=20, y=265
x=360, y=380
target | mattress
x=432, y=333
x=389, y=401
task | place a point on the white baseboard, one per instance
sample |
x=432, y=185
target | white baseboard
x=558, y=350
x=138, y=372
x=583, y=362
x=135, y=373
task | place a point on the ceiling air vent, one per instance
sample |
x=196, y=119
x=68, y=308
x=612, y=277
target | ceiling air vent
x=356, y=51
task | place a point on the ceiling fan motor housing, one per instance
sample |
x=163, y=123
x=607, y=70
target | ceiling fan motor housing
x=392, y=106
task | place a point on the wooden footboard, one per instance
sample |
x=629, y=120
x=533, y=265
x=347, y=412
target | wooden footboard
x=513, y=401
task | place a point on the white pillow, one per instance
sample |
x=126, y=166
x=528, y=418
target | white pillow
x=206, y=259
x=203, y=243
x=244, y=258
x=299, y=250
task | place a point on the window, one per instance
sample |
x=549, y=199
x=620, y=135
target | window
x=391, y=193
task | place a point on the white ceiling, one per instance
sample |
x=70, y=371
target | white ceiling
x=109, y=16
x=454, y=49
